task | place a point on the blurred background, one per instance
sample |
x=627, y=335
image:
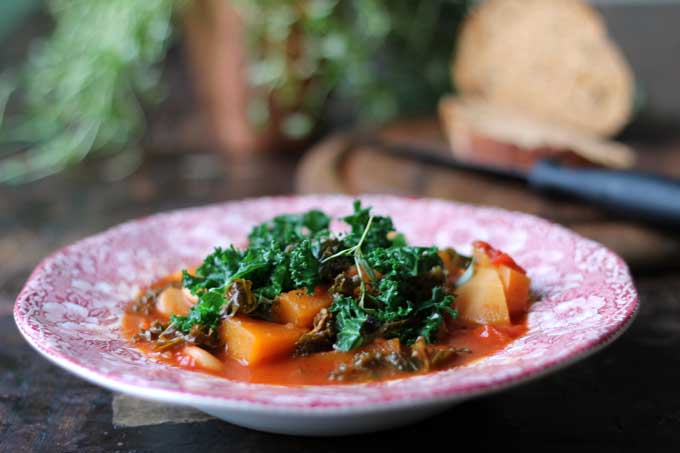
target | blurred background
x=112, y=110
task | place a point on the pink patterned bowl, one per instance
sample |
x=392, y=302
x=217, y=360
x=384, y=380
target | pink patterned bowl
x=70, y=311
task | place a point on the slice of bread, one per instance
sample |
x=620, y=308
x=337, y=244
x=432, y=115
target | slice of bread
x=550, y=58
x=481, y=132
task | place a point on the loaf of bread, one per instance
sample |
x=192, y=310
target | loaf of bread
x=479, y=131
x=550, y=58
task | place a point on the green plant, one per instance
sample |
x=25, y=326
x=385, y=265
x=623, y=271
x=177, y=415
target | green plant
x=84, y=88
x=385, y=57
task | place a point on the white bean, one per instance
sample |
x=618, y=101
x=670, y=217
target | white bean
x=202, y=358
x=172, y=302
x=189, y=297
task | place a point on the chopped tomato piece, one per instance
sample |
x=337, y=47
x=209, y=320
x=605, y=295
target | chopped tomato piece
x=497, y=257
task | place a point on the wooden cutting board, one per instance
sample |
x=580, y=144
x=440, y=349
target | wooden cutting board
x=335, y=165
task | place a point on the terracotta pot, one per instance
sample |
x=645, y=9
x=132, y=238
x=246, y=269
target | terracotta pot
x=218, y=56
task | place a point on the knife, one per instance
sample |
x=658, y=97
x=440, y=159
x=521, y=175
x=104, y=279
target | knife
x=631, y=194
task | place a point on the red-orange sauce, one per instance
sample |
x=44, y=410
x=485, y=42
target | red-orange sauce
x=315, y=369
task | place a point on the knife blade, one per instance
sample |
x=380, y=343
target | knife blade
x=630, y=194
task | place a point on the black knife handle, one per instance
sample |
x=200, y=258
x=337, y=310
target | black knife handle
x=631, y=194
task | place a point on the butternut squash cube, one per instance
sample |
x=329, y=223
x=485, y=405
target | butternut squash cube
x=252, y=341
x=516, y=286
x=481, y=300
x=299, y=308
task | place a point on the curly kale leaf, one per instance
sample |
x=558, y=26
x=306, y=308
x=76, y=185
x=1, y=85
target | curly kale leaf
x=404, y=261
x=276, y=282
x=206, y=313
x=377, y=236
x=267, y=270
x=391, y=300
x=282, y=256
x=304, y=266
x=217, y=267
x=285, y=230
x=430, y=317
x=407, y=302
x=404, y=270
x=350, y=320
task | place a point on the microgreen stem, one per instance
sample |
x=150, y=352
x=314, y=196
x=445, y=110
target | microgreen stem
x=358, y=261
x=354, y=248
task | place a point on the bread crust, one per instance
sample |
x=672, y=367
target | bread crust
x=484, y=133
x=550, y=58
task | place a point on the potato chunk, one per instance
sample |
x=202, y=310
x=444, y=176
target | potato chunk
x=481, y=300
x=299, y=308
x=252, y=341
x=516, y=286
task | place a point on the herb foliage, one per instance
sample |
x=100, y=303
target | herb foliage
x=84, y=89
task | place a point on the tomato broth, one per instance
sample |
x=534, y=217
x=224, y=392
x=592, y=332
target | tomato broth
x=314, y=369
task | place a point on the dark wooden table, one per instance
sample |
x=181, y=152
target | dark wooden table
x=625, y=398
